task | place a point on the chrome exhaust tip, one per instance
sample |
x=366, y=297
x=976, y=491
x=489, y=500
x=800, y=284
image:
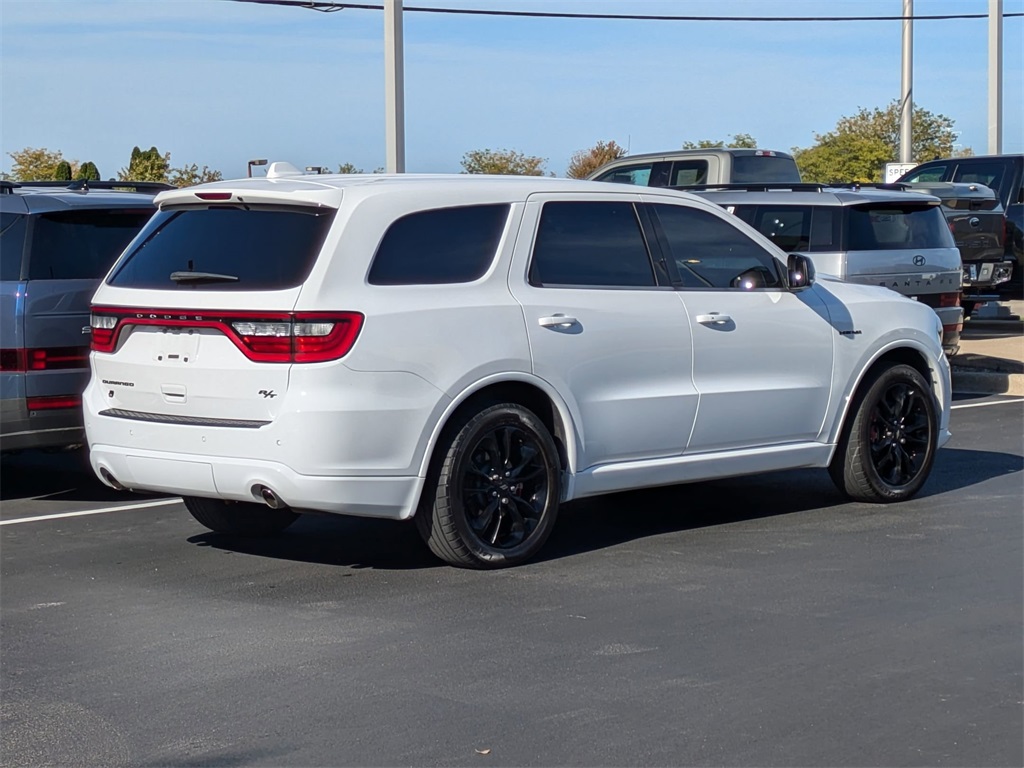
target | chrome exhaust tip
x=111, y=480
x=269, y=497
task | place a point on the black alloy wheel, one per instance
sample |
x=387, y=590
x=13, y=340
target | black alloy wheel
x=493, y=491
x=888, y=444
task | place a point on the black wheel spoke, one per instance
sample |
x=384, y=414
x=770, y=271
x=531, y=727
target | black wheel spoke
x=900, y=431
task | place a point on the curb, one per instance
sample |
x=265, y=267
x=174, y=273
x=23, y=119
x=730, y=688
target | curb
x=973, y=382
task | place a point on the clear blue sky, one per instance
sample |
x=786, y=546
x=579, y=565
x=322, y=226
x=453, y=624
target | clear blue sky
x=217, y=82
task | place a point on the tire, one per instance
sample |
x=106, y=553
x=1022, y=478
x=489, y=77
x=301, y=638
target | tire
x=888, y=444
x=493, y=490
x=239, y=518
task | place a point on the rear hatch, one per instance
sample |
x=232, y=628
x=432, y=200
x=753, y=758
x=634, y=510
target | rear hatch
x=975, y=218
x=902, y=245
x=195, y=323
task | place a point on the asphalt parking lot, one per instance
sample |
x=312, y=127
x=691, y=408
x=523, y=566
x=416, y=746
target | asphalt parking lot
x=760, y=621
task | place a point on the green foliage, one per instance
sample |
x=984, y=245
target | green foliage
x=63, y=171
x=739, y=141
x=146, y=165
x=348, y=168
x=506, y=162
x=88, y=171
x=31, y=164
x=190, y=175
x=860, y=145
x=586, y=161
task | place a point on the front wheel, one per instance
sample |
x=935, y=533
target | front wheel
x=888, y=447
x=239, y=518
x=493, y=491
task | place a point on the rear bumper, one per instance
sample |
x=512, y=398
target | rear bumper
x=239, y=480
x=21, y=431
x=952, y=319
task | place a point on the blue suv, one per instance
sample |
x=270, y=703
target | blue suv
x=57, y=240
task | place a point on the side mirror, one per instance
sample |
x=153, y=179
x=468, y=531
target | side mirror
x=801, y=271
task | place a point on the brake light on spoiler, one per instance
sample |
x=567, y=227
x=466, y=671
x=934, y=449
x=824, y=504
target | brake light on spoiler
x=264, y=337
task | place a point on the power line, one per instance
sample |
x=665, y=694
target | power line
x=333, y=7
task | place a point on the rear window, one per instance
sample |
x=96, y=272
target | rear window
x=229, y=249
x=81, y=244
x=874, y=227
x=445, y=245
x=748, y=169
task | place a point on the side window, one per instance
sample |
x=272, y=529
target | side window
x=689, y=172
x=709, y=252
x=12, y=245
x=639, y=175
x=789, y=227
x=989, y=174
x=445, y=245
x=590, y=244
x=81, y=244
x=826, y=229
x=931, y=173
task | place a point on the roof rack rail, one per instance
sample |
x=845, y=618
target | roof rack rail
x=84, y=185
x=795, y=186
x=8, y=187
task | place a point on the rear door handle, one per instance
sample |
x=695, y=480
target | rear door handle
x=557, y=321
x=713, y=318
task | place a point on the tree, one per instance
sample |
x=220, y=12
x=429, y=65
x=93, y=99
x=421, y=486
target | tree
x=190, y=175
x=873, y=136
x=586, y=161
x=739, y=141
x=88, y=171
x=32, y=164
x=146, y=165
x=63, y=171
x=506, y=162
x=348, y=168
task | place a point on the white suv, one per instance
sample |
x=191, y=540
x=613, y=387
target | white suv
x=475, y=350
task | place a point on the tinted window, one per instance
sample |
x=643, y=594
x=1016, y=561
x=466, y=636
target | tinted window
x=789, y=227
x=990, y=174
x=81, y=244
x=685, y=172
x=755, y=168
x=590, y=243
x=447, y=245
x=633, y=174
x=12, y=245
x=898, y=227
x=931, y=173
x=266, y=248
x=709, y=252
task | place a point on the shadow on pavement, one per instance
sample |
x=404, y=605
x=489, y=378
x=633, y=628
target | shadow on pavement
x=59, y=476
x=592, y=524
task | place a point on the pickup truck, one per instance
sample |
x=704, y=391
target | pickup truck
x=976, y=219
x=690, y=167
x=1004, y=174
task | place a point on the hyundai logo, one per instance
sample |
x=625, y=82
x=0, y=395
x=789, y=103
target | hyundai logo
x=919, y=261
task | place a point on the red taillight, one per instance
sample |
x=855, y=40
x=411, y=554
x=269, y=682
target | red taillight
x=949, y=299
x=43, y=359
x=53, y=403
x=213, y=195
x=274, y=337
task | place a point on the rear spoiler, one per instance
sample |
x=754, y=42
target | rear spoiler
x=796, y=186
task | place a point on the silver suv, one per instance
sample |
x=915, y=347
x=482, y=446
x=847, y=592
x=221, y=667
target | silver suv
x=869, y=235
x=56, y=242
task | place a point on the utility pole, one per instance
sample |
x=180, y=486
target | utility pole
x=394, y=87
x=907, y=85
x=995, y=77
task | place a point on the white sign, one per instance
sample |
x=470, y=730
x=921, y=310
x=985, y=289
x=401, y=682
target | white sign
x=894, y=170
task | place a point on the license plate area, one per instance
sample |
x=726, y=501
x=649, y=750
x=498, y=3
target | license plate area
x=176, y=346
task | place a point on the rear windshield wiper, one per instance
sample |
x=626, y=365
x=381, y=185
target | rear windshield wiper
x=202, y=277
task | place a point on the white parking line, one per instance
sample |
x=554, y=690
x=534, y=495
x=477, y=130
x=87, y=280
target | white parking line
x=983, y=405
x=123, y=508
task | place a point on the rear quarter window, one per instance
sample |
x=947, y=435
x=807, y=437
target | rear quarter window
x=445, y=245
x=81, y=244
x=262, y=247
x=895, y=227
x=12, y=245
